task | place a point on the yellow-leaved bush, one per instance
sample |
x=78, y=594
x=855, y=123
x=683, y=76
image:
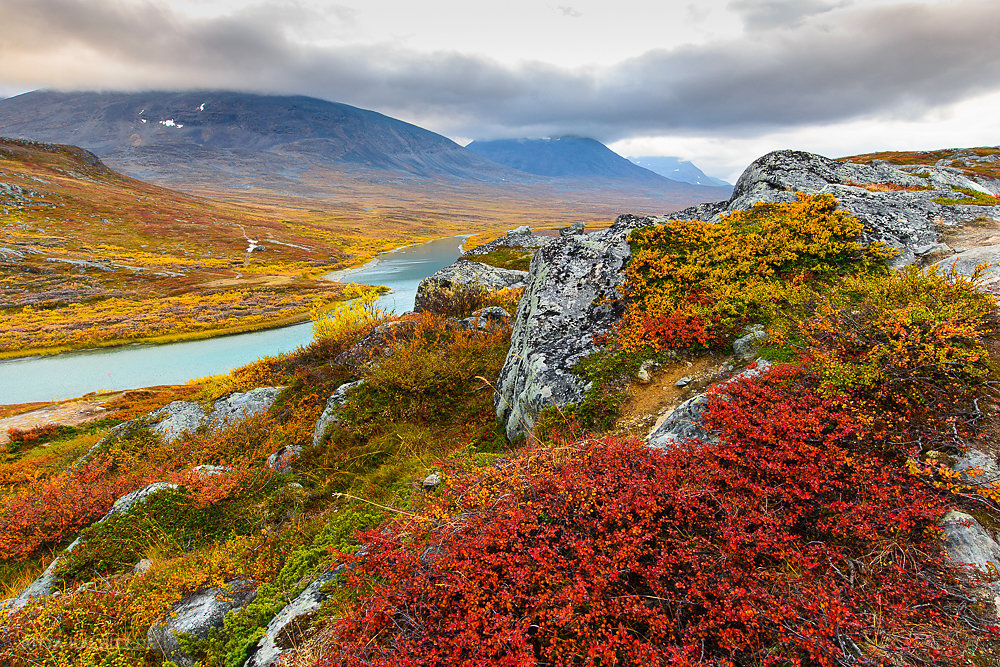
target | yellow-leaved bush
x=694, y=283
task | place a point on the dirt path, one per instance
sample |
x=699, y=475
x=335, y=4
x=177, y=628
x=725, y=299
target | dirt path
x=649, y=404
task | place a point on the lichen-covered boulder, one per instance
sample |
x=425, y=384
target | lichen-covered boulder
x=968, y=544
x=286, y=629
x=241, y=405
x=571, y=294
x=333, y=404
x=521, y=237
x=439, y=292
x=174, y=419
x=902, y=219
x=196, y=615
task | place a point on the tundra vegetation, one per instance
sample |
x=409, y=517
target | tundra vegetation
x=91, y=258
x=806, y=533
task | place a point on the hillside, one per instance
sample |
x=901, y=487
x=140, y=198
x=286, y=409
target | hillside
x=679, y=170
x=241, y=136
x=90, y=257
x=762, y=431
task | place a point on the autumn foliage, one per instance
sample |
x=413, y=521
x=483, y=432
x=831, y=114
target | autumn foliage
x=791, y=541
x=693, y=284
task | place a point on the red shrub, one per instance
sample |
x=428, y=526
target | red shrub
x=32, y=435
x=790, y=542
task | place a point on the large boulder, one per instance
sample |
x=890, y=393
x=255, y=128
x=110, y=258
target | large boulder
x=521, y=238
x=572, y=293
x=903, y=219
x=379, y=341
x=438, y=292
x=968, y=544
x=196, y=615
x=242, y=405
x=286, y=629
x=174, y=419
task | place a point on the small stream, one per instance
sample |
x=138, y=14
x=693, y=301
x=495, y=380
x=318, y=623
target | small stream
x=112, y=369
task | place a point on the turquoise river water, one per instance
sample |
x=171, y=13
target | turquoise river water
x=112, y=369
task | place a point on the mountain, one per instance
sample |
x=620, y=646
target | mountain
x=250, y=139
x=565, y=157
x=677, y=169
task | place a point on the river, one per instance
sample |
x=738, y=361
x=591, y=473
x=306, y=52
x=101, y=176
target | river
x=112, y=369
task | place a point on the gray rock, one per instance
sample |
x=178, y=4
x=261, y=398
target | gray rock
x=684, y=422
x=175, y=419
x=44, y=585
x=968, y=544
x=195, y=616
x=142, y=567
x=205, y=471
x=572, y=230
x=432, y=481
x=965, y=263
x=986, y=474
x=904, y=220
x=437, y=290
x=683, y=382
x=333, y=404
x=515, y=238
x=281, y=460
x=571, y=294
x=239, y=406
x=486, y=318
x=41, y=587
x=746, y=347
x=130, y=500
x=285, y=629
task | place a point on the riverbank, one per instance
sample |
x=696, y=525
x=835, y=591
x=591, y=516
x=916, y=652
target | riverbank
x=47, y=378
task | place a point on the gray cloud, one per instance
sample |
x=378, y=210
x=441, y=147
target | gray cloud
x=770, y=14
x=902, y=60
x=569, y=11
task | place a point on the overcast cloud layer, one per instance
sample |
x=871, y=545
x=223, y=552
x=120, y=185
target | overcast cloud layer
x=778, y=68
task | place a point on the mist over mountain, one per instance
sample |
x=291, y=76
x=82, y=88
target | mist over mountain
x=677, y=169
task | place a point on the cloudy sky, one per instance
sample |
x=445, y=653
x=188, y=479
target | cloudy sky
x=716, y=81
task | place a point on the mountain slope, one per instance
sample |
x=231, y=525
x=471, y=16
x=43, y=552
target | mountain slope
x=241, y=134
x=677, y=169
x=565, y=157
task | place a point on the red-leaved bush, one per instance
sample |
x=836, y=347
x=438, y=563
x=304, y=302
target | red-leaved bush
x=792, y=541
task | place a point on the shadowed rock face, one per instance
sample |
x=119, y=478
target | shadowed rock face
x=570, y=296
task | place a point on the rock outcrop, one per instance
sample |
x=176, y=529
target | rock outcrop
x=968, y=544
x=902, y=219
x=574, y=280
x=196, y=615
x=515, y=238
x=287, y=627
x=439, y=290
x=571, y=294
x=175, y=419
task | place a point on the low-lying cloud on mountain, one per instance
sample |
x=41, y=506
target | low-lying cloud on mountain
x=779, y=64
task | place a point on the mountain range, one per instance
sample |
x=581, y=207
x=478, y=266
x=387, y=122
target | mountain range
x=677, y=169
x=220, y=140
